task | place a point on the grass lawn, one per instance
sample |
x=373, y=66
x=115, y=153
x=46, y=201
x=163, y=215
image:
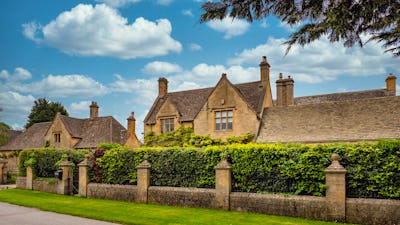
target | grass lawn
x=133, y=213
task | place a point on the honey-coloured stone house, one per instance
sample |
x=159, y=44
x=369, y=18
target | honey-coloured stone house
x=235, y=109
x=69, y=132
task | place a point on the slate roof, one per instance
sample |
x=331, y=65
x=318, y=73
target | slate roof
x=189, y=103
x=33, y=137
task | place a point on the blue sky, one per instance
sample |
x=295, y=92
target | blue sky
x=113, y=52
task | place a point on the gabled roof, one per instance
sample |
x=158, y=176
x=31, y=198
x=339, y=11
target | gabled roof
x=189, y=103
x=94, y=131
x=33, y=137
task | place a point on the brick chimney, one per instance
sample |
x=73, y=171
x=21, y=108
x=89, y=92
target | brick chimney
x=131, y=123
x=94, y=110
x=391, y=83
x=284, y=91
x=264, y=71
x=162, y=86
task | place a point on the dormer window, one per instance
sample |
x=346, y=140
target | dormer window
x=57, y=137
x=167, y=125
x=223, y=120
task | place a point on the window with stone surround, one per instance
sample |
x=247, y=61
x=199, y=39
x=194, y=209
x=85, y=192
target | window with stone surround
x=223, y=120
x=167, y=125
x=57, y=137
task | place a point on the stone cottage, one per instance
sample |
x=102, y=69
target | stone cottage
x=69, y=132
x=235, y=109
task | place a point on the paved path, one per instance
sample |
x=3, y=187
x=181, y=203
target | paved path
x=18, y=215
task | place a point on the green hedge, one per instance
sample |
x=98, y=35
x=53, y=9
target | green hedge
x=43, y=161
x=373, y=168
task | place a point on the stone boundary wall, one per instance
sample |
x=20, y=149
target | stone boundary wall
x=372, y=211
x=272, y=204
x=178, y=196
x=112, y=192
x=42, y=185
x=21, y=182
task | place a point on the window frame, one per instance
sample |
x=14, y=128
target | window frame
x=223, y=120
x=57, y=137
x=167, y=125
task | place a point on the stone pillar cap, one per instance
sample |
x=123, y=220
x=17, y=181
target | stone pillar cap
x=66, y=163
x=224, y=164
x=144, y=165
x=85, y=161
x=335, y=166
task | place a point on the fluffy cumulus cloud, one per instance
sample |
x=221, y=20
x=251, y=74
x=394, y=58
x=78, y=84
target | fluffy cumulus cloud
x=118, y=3
x=82, y=106
x=19, y=74
x=143, y=91
x=74, y=85
x=319, y=61
x=16, y=107
x=101, y=31
x=231, y=27
x=161, y=68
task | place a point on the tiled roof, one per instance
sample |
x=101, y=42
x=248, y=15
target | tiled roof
x=94, y=131
x=364, y=119
x=343, y=96
x=189, y=103
x=33, y=137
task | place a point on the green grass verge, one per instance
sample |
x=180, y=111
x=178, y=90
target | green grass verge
x=133, y=213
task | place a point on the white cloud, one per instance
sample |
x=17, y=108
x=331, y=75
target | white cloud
x=231, y=27
x=30, y=30
x=319, y=61
x=164, y=2
x=143, y=91
x=82, y=106
x=102, y=31
x=16, y=107
x=118, y=3
x=67, y=86
x=195, y=47
x=19, y=74
x=187, y=12
x=161, y=68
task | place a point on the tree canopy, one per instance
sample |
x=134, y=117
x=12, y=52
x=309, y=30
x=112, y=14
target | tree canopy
x=44, y=111
x=339, y=20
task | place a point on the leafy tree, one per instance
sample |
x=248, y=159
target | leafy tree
x=44, y=110
x=4, y=133
x=338, y=19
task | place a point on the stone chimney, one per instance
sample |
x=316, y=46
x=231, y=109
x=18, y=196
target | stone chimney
x=162, y=86
x=264, y=71
x=284, y=91
x=391, y=83
x=131, y=123
x=94, y=110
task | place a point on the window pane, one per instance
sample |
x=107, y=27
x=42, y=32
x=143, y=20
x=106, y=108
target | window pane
x=217, y=114
x=223, y=113
x=230, y=113
x=223, y=126
x=230, y=126
x=217, y=126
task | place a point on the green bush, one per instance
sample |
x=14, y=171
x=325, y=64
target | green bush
x=44, y=161
x=373, y=169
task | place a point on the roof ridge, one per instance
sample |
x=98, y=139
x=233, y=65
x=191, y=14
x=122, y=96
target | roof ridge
x=341, y=93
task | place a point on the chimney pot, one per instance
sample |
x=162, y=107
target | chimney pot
x=94, y=110
x=162, y=86
x=391, y=83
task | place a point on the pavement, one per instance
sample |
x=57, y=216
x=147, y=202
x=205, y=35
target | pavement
x=18, y=215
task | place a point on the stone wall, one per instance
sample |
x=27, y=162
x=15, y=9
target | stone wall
x=42, y=185
x=187, y=197
x=296, y=206
x=21, y=182
x=373, y=211
x=112, y=192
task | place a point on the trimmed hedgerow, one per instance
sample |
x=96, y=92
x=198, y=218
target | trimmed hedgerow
x=44, y=161
x=373, y=168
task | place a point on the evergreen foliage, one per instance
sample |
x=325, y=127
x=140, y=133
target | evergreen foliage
x=44, y=111
x=338, y=19
x=4, y=128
